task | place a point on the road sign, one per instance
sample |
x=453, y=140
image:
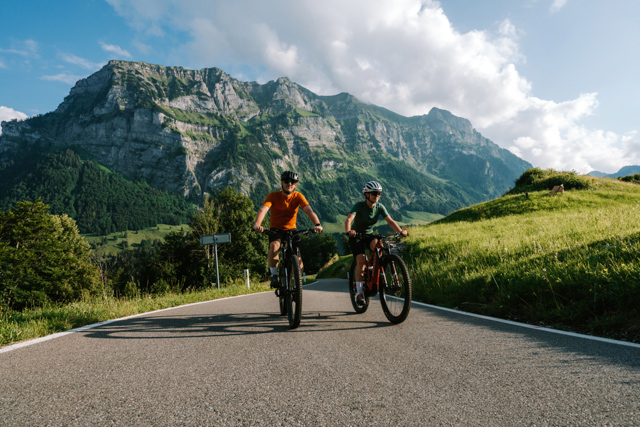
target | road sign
x=215, y=240
x=211, y=239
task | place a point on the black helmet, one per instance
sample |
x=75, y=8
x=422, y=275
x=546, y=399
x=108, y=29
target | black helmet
x=372, y=186
x=289, y=175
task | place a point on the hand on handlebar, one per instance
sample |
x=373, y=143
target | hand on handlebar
x=351, y=233
x=258, y=228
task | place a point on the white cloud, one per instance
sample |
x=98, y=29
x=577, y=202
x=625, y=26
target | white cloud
x=115, y=49
x=81, y=62
x=403, y=55
x=557, y=5
x=63, y=77
x=7, y=114
x=26, y=48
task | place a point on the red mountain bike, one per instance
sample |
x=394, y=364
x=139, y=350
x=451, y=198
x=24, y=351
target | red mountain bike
x=388, y=273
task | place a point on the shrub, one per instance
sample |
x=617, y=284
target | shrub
x=536, y=179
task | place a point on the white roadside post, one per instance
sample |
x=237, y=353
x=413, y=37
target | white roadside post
x=215, y=239
x=246, y=275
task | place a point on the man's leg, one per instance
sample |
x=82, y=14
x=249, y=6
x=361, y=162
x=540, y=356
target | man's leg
x=274, y=247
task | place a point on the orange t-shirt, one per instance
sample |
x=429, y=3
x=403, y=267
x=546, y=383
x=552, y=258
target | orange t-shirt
x=284, y=210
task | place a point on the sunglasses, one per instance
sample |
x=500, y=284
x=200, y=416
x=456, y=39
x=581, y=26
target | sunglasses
x=290, y=181
x=374, y=193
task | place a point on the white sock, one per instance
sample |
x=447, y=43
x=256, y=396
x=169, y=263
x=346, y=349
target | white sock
x=274, y=271
x=359, y=287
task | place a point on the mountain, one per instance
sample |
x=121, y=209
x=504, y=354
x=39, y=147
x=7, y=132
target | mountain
x=625, y=171
x=190, y=132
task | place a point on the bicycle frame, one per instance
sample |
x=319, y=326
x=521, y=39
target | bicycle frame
x=373, y=266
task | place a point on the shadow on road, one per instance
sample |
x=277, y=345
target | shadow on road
x=588, y=349
x=168, y=327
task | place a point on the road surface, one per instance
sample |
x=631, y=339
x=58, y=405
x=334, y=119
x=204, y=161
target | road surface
x=235, y=362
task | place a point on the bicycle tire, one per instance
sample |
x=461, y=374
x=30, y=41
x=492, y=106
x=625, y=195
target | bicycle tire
x=352, y=291
x=280, y=292
x=293, y=292
x=395, y=289
x=283, y=304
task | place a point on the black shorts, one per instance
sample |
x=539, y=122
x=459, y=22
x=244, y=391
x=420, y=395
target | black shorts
x=359, y=245
x=281, y=236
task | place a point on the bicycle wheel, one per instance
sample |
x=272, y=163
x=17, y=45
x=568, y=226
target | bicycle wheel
x=293, y=292
x=395, y=289
x=352, y=291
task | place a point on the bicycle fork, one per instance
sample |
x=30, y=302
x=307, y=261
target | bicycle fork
x=283, y=285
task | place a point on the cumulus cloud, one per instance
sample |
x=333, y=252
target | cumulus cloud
x=7, y=114
x=404, y=55
x=117, y=50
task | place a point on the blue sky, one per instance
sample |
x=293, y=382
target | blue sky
x=553, y=81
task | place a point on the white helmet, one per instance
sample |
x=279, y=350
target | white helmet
x=372, y=186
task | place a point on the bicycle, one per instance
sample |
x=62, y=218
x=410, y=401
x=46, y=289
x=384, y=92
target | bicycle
x=388, y=273
x=289, y=292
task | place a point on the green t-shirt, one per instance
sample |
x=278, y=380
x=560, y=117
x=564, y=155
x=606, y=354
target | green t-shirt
x=366, y=217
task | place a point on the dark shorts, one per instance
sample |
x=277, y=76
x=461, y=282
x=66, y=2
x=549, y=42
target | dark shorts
x=280, y=237
x=358, y=245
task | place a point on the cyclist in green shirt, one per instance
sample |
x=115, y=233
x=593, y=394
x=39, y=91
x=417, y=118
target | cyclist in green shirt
x=364, y=216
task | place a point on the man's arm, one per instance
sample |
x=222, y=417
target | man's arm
x=347, y=225
x=394, y=225
x=314, y=218
x=257, y=224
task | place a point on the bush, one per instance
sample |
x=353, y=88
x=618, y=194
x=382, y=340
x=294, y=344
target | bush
x=536, y=179
x=635, y=179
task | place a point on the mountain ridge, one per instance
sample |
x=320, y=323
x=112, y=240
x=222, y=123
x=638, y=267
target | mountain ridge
x=624, y=171
x=192, y=131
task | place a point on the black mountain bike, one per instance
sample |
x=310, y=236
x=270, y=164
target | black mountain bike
x=289, y=291
x=388, y=273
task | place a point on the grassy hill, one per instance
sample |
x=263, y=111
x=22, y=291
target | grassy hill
x=569, y=261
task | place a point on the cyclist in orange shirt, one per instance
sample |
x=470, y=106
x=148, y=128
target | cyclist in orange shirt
x=284, y=206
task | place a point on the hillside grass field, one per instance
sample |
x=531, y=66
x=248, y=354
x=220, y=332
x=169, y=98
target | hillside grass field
x=568, y=261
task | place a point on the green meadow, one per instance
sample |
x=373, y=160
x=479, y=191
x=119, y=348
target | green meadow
x=568, y=261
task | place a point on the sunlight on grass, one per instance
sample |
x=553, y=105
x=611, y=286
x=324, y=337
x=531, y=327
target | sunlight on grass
x=569, y=260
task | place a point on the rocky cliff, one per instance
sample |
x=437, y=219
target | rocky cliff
x=189, y=132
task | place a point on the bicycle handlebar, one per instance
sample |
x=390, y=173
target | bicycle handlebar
x=378, y=236
x=269, y=232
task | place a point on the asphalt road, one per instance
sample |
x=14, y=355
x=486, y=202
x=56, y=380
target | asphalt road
x=235, y=362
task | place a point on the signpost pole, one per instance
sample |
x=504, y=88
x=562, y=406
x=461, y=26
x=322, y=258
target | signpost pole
x=215, y=250
x=214, y=239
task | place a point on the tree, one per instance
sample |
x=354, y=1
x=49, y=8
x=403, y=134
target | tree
x=229, y=211
x=317, y=250
x=43, y=258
